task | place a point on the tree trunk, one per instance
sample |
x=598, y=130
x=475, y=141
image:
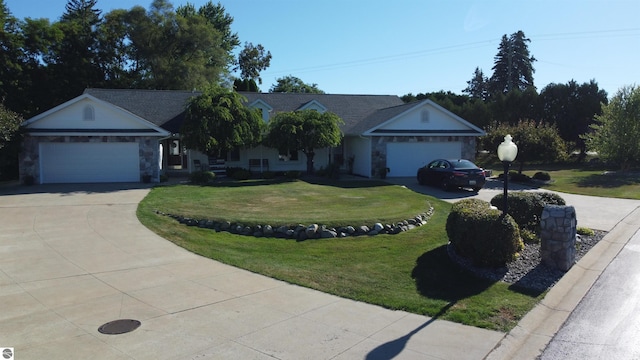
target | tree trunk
x=310, y=154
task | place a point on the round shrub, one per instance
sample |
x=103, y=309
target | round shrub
x=241, y=174
x=550, y=198
x=482, y=235
x=526, y=207
x=292, y=174
x=518, y=177
x=542, y=176
x=202, y=177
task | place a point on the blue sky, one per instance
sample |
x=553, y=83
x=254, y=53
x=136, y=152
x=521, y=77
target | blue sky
x=416, y=46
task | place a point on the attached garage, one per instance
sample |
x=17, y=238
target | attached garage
x=404, y=158
x=89, y=162
x=88, y=140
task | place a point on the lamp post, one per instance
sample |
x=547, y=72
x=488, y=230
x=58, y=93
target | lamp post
x=507, y=152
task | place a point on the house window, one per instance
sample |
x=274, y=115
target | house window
x=288, y=155
x=89, y=114
x=424, y=116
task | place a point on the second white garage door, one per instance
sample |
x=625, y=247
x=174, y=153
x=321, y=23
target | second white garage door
x=404, y=159
x=89, y=162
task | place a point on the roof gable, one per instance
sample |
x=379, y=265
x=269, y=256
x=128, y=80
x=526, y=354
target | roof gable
x=352, y=109
x=314, y=105
x=86, y=115
x=423, y=119
x=164, y=108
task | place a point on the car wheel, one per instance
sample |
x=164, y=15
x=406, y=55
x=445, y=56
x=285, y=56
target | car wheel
x=476, y=189
x=420, y=179
x=445, y=185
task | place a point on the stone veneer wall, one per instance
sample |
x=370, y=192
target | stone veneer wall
x=558, y=226
x=148, y=152
x=379, y=147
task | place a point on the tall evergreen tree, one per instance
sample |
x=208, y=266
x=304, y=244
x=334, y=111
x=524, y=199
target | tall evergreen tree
x=478, y=86
x=513, y=65
x=76, y=64
x=10, y=55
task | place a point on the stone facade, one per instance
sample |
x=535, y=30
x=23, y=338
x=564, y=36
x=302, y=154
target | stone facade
x=379, y=147
x=148, y=152
x=558, y=225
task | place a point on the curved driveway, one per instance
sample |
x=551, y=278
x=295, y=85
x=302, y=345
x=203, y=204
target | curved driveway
x=593, y=212
x=74, y=257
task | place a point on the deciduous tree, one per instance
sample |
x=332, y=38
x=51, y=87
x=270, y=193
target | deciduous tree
x=617, y=130
x=10, y=136
x=572, y=108
x=304, y=130
x=292, y=84
x=218, y=121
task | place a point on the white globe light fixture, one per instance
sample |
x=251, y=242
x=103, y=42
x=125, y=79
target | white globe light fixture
x=507, y=152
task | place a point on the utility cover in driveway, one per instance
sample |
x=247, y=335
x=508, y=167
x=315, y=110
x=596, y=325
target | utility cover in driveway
x=117, y=327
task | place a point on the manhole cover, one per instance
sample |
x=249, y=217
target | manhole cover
x=119, y=326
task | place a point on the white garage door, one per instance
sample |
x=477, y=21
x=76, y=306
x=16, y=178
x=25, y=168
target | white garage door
x=89, y=162
x=404, y=159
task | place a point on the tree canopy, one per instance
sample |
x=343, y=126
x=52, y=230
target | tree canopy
x=292, y=84
x=218, y=121
x=536, y=141
x=616, y=132
x=513, y=65
x=10, y=137
x=304, y=130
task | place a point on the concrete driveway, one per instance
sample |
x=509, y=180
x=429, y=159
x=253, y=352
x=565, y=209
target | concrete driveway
x=593, y=212
x=74, y=257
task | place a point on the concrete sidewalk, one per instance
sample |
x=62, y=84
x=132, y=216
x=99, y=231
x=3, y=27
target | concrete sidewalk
x=76, y=257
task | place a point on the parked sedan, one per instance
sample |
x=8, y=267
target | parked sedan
x=450, y=174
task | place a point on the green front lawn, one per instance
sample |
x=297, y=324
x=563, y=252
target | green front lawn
x=409, y=271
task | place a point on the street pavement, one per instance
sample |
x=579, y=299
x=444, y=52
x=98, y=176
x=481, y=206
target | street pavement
x=75, y=257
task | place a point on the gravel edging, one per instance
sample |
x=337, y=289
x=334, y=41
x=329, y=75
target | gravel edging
x=527, y=272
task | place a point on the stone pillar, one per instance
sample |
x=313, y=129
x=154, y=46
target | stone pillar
x=558, y=236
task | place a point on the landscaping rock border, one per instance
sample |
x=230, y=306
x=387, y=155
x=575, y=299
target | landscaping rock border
x=302, y=232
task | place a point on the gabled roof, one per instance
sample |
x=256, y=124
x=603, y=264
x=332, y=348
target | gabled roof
x=362, y=114
x=351, y=108
x=57, y=120
x=164, y=108
x=454, y=125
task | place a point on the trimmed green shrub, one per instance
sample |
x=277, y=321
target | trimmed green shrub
x=268, y=175
x=482, y=235
x=526, y=207
x=202, y=177
x=292, y=174
x=584, y=231
x=550, y=198
x=241, y=174
x=542, y=176
x=518, y=177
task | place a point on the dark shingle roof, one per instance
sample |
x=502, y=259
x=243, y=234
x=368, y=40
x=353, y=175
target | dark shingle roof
x=353, y=109
x=165, y=108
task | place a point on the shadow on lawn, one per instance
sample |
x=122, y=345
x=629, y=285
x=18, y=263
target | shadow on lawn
x=438, y=277
x=610, y=180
